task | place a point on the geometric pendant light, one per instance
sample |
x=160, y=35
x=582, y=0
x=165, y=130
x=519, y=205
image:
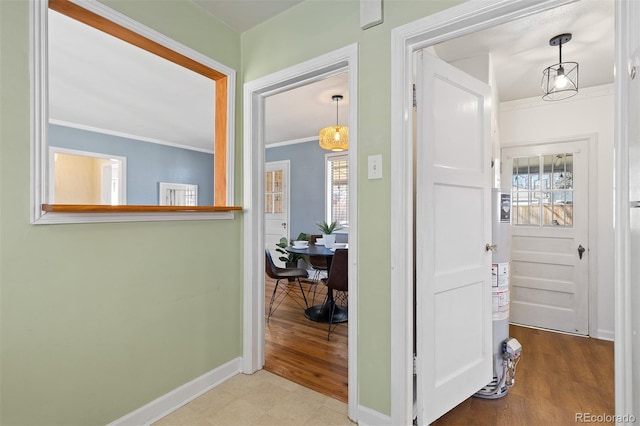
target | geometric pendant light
x=560, y=81
x=334, y=138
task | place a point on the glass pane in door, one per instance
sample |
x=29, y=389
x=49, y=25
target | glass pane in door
x=525, y=191
x=542, y=190
x=273, y=192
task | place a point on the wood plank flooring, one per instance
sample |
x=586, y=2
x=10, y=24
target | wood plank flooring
x=297, y=349
x=558, y=376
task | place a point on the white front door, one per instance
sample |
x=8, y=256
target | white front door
x=276, y=206
x=453, y=227
x=550, y=232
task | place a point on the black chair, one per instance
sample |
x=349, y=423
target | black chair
x=338, y=285
x=319, y=265
x=291, y=275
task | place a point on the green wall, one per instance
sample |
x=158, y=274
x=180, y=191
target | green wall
x=92, y=322
x=306, y=31
x=99, y=319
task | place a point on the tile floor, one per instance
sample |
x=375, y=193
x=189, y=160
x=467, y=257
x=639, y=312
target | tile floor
x=260, y=399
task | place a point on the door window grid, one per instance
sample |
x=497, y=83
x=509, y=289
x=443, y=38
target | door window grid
x=543, y=196
x=273, y=192
x=338, y=189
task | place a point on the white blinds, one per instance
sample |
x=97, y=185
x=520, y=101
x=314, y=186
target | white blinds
x=338, y=189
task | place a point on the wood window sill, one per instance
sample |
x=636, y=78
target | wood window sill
x=97, y=208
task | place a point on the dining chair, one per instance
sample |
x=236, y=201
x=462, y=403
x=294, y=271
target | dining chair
x=290, y=275
x=319, y=265
x=338, y=283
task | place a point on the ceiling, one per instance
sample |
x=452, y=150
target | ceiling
x=242, y=15
x=519, y=52
x=520, y=49
x=299, y=114
x=101, y=83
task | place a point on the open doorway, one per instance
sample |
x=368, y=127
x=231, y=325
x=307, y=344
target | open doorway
x=522, y=121
x=557, y=268
x=341, y=61
x=298, y=189
x=413, y=38
x=82, y=177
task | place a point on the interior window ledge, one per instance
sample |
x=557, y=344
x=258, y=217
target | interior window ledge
x=63, y=213
x=103, y=208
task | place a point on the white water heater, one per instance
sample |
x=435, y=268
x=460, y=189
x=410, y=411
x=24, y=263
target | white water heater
x=506, y=350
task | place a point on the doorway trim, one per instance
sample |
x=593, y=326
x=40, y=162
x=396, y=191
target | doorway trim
x=255, y=92
x=466, y=18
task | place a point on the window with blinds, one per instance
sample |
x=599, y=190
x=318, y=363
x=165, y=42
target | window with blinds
x=337, y=166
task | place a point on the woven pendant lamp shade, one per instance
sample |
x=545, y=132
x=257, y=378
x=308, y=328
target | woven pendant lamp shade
x=334, y=138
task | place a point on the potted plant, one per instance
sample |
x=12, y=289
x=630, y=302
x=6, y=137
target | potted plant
x=327, y=230
x=291, y=259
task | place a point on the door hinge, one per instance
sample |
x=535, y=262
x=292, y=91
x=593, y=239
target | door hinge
x=415, y=365
x=415, y=100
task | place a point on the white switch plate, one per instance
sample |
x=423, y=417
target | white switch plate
x=375, y=166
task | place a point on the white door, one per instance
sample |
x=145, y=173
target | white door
x=276, y=206
x=453, y=227
x=550, y=224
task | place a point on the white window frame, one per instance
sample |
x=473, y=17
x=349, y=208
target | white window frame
x=537, y=192
x=328, y=189
x=166, y=188
x=40, y=120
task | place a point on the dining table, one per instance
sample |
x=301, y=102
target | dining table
x=322, y=312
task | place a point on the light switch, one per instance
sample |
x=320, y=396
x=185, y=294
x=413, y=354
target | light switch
x=375, y=166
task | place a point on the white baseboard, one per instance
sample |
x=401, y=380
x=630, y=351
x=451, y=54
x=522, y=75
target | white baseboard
x=600, y=334
x=369, y=417
x=162, y=406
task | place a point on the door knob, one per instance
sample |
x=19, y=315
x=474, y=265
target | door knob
x=490, y=247
x=580, y=250
x=284, y=224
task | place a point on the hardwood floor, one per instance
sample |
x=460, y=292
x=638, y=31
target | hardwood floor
x=558, y=377
x=297, y=349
